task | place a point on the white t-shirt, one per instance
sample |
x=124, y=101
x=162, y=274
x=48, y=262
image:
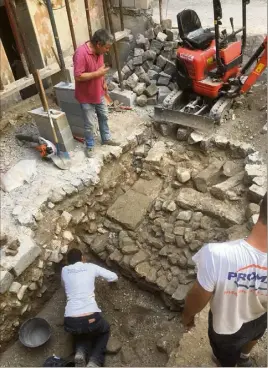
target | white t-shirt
x=79, y=282
x=237, y=273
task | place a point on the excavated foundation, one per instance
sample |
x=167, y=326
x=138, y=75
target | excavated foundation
x=150, y=211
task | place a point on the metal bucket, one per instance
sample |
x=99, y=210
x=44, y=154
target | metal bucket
x=34, y=332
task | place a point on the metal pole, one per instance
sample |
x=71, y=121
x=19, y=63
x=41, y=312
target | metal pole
x=17, y=37
x=161, y=11
x=105, y=15
x=33, y=70
x=114, y=44
x=88, y=19
x=121, y=14
x=69, y=15
x=57, y=40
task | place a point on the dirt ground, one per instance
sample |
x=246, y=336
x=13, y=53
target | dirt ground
x=138, y=320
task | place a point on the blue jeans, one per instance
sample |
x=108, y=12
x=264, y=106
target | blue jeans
x=89, y=111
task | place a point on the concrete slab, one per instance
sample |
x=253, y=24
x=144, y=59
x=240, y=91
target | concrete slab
x=127, y=98
x=129, y=209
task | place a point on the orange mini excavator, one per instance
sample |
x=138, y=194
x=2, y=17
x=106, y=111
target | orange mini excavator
x=209, y=70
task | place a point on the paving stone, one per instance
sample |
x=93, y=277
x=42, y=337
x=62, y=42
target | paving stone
x=22, y=292
x=161, y=37
x=146, y=271
x=6, y=279
x=231, y=168
x=129, y=209
x=132, y=81
x=185, y=216
x=156, y=153
x=191, y=199
x=152, y=100
x=149, y=55
x=156, y=69
x=144, y=78
x=116, y=256
x=256, y=193
x=140, y=40
x=163, y=92
x=156, y=46
x=254, y=158
x=137, y=61
x=169, y=206
x=253, y=171
x=180, y=293
x=149, y=33
x=162, y=282
x=131, y=65
x=161, y=62
x=170, y=67
x=140, y=88
x=139, y=257
x=170, y=35
x=166, y=24
x=220, y=190
x=147, y=65
x=157, y=29
x=208, y=176
x=183, y=175
x=138, y=52
x=153, y=75
x=151, y=90
x=99, y=243
x=252, y=209
x=126, y=72
x=163, y=81
x=141, y=100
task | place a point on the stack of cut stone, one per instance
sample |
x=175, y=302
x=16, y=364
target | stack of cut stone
x=149, y=71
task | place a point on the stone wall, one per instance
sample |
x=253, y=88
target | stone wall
x=146, y=215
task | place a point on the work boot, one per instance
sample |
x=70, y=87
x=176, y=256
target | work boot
x=89, y=152
x=110, y=142
x=80, y=358
x=244, y=362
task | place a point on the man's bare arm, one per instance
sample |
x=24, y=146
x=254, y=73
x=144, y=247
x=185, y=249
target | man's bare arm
x=196, y=300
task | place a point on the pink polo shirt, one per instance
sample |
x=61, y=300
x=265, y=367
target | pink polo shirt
x=85, y=61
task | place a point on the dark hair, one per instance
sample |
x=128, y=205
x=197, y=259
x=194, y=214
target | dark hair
x=102, y=37
x=263, y=210
x=74, y=255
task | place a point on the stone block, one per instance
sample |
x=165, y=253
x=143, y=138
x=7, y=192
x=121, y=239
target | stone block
x=220, y=190
x=156, y=46
x=208, y=176
x=149, y=33
x=191, y=199
x=157, y=29
x=253, y=209
x=6, y=279
x=152, y=100
x=183, y=175
x=161, y=37
x=127, y=98
x=144, y=79
x=170, y=34
x=137, y=61
x=163, y=81
x=151, y=91
x=61, y=124
x=139, y=89
x=130, y=65
x=170, y=68
x=149, y=55
x=153, y=75
x=147, y=65
x=140, y=41
x=27, y=253
x=141, y=100
x=126, y=72
x=156, y=154
x=138, y=52
x=253, y=171
x=256, y=193
x=166, y=24
x=163, y=92
x=161, y=61
x=129, y=209
x=139, y=71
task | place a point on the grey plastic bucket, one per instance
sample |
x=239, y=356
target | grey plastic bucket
x=34, y=332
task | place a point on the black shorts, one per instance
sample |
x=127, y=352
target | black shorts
x=227, y=348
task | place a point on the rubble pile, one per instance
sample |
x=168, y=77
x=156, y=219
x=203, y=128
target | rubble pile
x=149, y=71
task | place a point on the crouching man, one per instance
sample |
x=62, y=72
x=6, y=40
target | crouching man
x=82, y=316
x=232, y=276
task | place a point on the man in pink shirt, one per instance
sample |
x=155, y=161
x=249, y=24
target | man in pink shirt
x=90, y=86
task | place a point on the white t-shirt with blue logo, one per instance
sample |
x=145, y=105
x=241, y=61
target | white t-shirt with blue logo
x=237, y=274
x=78, y=281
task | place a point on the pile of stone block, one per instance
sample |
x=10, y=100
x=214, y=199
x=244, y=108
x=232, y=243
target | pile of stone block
x=150, y=69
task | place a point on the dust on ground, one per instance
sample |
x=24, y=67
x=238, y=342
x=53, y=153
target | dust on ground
x=138, y=320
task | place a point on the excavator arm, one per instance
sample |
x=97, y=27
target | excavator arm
x=260, y=56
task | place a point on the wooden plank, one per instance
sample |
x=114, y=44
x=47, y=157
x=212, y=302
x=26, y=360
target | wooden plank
x=22, y=83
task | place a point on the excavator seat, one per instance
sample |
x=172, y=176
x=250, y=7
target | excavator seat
x=191, y=32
